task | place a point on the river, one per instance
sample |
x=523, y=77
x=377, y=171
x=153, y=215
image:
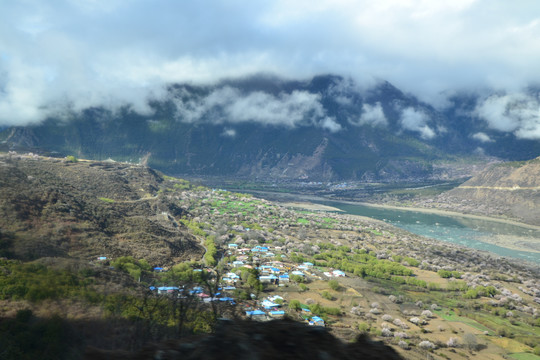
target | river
x=464, y=231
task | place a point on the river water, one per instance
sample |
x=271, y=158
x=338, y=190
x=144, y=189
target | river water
x=464, y=231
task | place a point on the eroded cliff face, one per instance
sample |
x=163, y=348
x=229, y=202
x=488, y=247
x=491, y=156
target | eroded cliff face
x=510, y=190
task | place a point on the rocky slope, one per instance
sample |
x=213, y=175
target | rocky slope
x=510, y=190
x=53, y=207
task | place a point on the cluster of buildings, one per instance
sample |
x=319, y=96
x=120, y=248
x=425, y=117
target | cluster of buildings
x=270, y=270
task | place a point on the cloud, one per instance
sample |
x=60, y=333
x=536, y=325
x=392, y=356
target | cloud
x=482, y=137
x=61, y=56
x=229, y=105
x=229, y=133
x=518, y=113
x=416, y=120
x=372, y=115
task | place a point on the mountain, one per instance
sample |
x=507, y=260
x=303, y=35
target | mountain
x=56, y=208
x=266, y=128
x=509, y=189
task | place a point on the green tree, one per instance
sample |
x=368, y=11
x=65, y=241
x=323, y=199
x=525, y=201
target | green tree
x=295, y=305
x=334, y=285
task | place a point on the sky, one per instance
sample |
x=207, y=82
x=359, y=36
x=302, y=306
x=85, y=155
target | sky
x=60, y=56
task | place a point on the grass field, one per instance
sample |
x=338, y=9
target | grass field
x=449, y=315
x=524, y=356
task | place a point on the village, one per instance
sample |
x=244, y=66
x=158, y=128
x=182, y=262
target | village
x=272, y=275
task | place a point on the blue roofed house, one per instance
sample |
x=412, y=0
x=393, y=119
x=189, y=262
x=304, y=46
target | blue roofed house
x=167, y=289
x=258, y=315
x=338, y=273
x=267, y=304
x=277, y=314
x=316, y=321
x=268, y=279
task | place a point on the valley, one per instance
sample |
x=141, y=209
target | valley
x=219, y=254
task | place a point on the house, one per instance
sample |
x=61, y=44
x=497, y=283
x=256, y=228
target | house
x=267, y=304
x=238, y=263
x=158, y=269
x=102, y=258
x=308, y=264
x=299, y=273
x=167, y=289
x=233, y=246
x=316, y=321
x=277, y=314
x=268, y=279
x=284, y=278
x=275, y=297
x=338, y=273
x=257, y=315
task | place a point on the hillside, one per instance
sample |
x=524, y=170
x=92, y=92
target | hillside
x=327, y=128
x=58, y=208
x=510, y=190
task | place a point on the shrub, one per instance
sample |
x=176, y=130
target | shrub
x=334, y=285
x=469, y=340
x=426, y=345
x=295, y=305
x=402, y=344
x=325, y=294
x=363, y=327
x=452, y=342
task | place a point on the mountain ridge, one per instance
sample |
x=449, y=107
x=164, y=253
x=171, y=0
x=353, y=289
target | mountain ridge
x=323, y=129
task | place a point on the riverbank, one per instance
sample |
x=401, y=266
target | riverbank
x=306, y=202
x=529, y=244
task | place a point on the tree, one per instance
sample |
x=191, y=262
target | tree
x=469, y=340
x=295, y=305
x=334, y=285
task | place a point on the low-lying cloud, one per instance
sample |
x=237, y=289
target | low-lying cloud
x=416, y=120
x=372, y=115
x=482, y=137
x=517, y=113
x=229, y=105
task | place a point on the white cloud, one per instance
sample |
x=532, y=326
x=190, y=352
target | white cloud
x=416, y=120
x=372, y=115
x=229, y=133
x=518, y=113
x=482, y=137
x=229, y=105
